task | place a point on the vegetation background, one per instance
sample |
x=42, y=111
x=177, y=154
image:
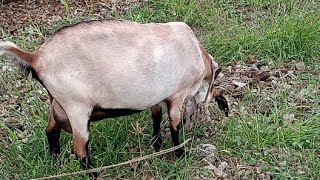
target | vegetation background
x=274, y=130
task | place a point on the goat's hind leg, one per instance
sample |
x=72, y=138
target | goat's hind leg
x=156, y=113
x=53, y=131
x=79, y=120
x=57, y=120
x=174, y=111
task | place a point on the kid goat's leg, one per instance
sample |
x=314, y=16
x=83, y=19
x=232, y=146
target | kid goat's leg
x=156, y=113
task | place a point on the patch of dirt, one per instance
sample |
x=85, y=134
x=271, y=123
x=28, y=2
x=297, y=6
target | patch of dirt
x=16, y=16
x=262, y=80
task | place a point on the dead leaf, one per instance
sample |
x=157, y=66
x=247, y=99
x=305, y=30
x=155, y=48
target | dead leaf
x=263, y=76
x=265, y=109
x=238, y=84
x=147, y=175
x=252, y=59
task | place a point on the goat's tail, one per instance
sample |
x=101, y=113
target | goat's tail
x=27, y=58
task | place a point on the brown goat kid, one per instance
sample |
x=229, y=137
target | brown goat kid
x=101, y=69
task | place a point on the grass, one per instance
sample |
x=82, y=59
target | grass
x=271, y=31
x=270, y=140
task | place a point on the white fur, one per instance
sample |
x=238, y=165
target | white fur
x=4, y=45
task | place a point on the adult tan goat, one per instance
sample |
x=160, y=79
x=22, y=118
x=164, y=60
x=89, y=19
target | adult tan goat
x=108, y=68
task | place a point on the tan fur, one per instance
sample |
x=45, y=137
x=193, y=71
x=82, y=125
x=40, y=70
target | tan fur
x=120, y=65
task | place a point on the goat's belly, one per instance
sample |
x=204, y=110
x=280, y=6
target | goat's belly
x=99, y=113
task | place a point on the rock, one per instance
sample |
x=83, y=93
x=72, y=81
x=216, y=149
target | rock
x=267, y=177
x=283, y=164
x=229, y=68
x=288, y=117
x=264, y=68
x=25, y=140
x=205, y=150
x=300, y=66
x=258, y=169
x=252, y=59
x=223, y=166
x=254, y=67
x=261, y=176
x=225, y=176
x=210, y=167
x=259, y=64
x=217, y=172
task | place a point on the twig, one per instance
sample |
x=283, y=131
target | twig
x=119, y=164
x=293, y=70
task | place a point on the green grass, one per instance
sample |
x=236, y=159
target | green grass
x=270, y=140
x=233, y=30
x=273, y=30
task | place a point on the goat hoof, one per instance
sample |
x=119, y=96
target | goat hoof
x=180, y=153
x=93, y=175
x=55, y=151
x=157, y=144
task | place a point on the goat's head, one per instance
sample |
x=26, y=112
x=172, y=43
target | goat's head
x=196, y=107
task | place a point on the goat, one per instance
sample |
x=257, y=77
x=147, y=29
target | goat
x=108, y=68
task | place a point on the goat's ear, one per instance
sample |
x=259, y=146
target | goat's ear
x=217, y=72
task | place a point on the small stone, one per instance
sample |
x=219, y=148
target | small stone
x=259, y=64
x=205, y=150
x=258, y=169
x=267, y=177
x=225, y=175
x=21, y=135
x=261, y=176
x=300, y=66
x=25, y=140
x=264, y=68
x=221, y=75
x=254, y=67
x=223, y=166
x=210, y=167
x=252, y=59
x=218, y=172
x=229, y=68
x=283, y=164
x=288, y=118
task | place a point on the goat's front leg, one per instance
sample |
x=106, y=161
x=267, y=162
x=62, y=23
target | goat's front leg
x=156, y=113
